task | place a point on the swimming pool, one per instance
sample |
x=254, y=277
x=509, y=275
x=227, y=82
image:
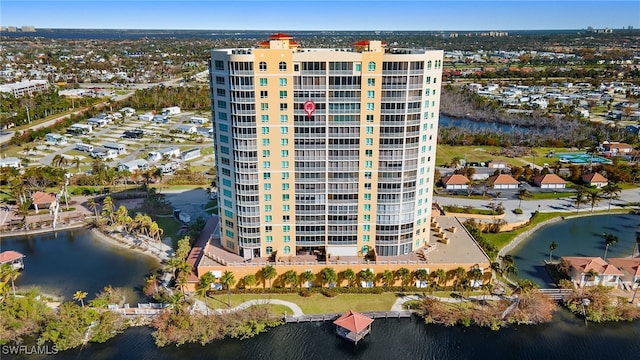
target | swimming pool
x=582, y=158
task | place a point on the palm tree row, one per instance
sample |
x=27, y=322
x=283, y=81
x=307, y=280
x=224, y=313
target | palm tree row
x=328, y=277
x=140, y=224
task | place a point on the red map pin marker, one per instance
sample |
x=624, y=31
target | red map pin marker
x=309, y=107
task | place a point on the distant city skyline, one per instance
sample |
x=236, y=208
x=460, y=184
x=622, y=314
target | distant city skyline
x=372, y=15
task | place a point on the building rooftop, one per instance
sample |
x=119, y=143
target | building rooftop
x=9, y=256
x=597, y=264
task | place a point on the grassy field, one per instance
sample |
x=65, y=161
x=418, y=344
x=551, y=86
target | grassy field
x=169, y=225
x=500, y=240
x=445, y=153
x=317, y=303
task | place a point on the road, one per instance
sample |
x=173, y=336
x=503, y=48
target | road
x=511, y=202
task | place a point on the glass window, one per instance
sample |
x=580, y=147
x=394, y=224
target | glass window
x=285, y=197
x=283, y=106
x=263, y=81
x=358, y=67
x=265, y=130
x=286, y=228
x=285, y=176
x=264, y=94
x=370, y=106
x=265, y=142
x=267, y=208
x=267, y=197
x=264, y=106
x=266, y=164
x=269, y=250
x=368, y=153
x=286, y=207
x=368, y=164
x=286, y=238
x=284, y=153
x=283, y=81
x=369, y=129
x=220, y=80
x=284, y=118
x=284, y=142
x=262, y=66
x=284, y=130
x=367, y=207
x=287, y=250
x=269, y=238
x=366, y=217
x=285, y=164
x=266, y=176
x=219, y=64
x=285, y=186
x=283, y=94
x=369, y=118
x=371, y=66
x=267, y=186
x=371, y=94
x=268, y=218
x=368, y=141
x=282, y=66
x=371, y=82
x=367, y=196
x=366, y=227
x=429, y=63
x=264, y=118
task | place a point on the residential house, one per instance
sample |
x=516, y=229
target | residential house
x=80, y=129
x=595, y=179
x=10, y=162
x=115, y=146
x=616, y=148
x=198, y=120
x=99, y=122
x=104, y=153
x=160, y=119
x=146, y=117
x=13, y=258
x=605, y=274
x=128, y=111
x=190, y=154
x=455, y=182
x=55, y=139
x=42, y=200
x=173, y=110
x=131, y=166
x=549, y=181
x=187, y=129
x=630, y=268
x=170, y=152
x=503, y=182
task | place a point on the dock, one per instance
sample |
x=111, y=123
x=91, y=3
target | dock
x=334, y=316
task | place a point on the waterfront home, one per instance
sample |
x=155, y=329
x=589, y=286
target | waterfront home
x=42, y=200
x=630, y=268
x=503, y=182
x=12, y=258
x=10, y=162
x=549, y=181
x=592, y=271
x=131, y=166
x=353, y=326
x=55, y=139
x=595, y=179
x=160, y=119
x=455, y=182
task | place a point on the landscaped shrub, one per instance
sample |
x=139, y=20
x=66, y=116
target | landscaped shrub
x=329, y=292
x=305, y=293
x=517, y=211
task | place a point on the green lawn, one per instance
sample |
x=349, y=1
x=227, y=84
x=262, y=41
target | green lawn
x=169, y=225
x=317, y=303
x=548, y=195
x=500, y=240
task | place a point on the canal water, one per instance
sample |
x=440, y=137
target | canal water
x=64, y=262
x=581, y=236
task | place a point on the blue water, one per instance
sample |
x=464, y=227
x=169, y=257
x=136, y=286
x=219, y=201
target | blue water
x=575, y=237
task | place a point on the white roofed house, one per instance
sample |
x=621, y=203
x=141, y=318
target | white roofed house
x=187, y=128
x=10, y=162
x=172, y=110
x=55, y=139
x=170, y=152
x=190, y=154
x=131, y=166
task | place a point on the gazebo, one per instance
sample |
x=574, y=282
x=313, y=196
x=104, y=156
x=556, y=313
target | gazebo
x=12, y=258
x=353, y=326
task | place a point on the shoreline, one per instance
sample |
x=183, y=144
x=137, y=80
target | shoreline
x=160, y=253
x=43, y=230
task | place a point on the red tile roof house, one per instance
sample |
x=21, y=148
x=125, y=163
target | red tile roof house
x=631, y=270
x=497, y=164
x=42, y=200
x=607, y=274
x=455, y=181
x=549, y=181
x=616, y=148
x=595, y=179
x=503, y=181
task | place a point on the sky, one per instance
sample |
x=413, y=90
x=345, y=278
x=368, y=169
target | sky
x=420, y=15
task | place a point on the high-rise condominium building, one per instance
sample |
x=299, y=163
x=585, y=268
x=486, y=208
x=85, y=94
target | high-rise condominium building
x=324, y=151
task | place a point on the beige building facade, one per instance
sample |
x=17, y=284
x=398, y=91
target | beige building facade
x=324, y=151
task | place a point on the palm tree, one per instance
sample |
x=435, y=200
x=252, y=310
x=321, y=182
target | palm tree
x=405, y=276
x=609, y=239
x=268, y=273
x=204, y=284
x=508, y=266
x=580, y=197
x=91, y=203
x=305, y=277
x=9, y=273
x=79, y=296
x=421, y=275
x=249, y=280
x=522, y=193
x=461, y=276
x=552, y=246
x=367, y=276
x=76, y=163
x=440, y=276
x=594, y=197
x=227, y=281
x=291, y=278
x=388, y=278
x=107, y=206
x=350, y=276
x=612, y=191
x=328, y=276
x=59, y=161
x=476, y=275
